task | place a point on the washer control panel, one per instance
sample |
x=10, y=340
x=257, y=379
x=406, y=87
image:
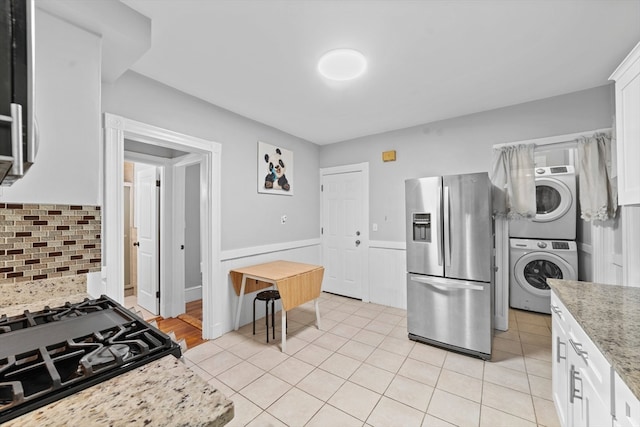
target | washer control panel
x=560, y=245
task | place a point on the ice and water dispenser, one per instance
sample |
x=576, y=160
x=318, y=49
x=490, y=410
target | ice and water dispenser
x=422, y=227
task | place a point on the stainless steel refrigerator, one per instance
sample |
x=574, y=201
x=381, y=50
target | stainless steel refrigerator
x=450, y=253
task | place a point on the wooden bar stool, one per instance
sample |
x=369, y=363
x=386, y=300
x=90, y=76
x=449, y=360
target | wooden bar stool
x=267, y=296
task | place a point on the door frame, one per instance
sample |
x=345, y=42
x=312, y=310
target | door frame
x=116, y=130
x=179, y=168
x=131, y=240
x=364, y=169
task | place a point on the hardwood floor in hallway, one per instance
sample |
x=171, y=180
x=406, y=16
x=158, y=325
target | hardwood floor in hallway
x=185, y=329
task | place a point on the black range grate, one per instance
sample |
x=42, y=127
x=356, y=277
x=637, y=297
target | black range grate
x=50, y=354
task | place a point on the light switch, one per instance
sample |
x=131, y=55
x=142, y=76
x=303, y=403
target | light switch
x=375, y=227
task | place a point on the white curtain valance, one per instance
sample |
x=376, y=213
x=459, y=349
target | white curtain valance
x=598, y=190
x=512, y=175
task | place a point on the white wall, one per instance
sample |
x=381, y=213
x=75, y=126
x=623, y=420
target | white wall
x=459, y=145
x=248, y=218
x=67, y=169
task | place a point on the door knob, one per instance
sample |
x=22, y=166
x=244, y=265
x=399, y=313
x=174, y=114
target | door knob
x=136, y=243
x=357, y=242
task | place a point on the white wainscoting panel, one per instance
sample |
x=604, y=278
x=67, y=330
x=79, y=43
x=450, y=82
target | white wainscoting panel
x=301, y=251
x=388, y=274
x=631, y=245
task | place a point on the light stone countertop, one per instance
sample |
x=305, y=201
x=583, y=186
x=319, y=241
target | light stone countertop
x=163, y=392
x=15, y=310
x=610, y=316
x=36, y=291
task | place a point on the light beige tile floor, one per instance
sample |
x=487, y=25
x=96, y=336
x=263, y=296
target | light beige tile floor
x=362, y=370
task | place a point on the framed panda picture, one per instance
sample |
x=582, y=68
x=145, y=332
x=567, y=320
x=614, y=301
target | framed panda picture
x=275, y=169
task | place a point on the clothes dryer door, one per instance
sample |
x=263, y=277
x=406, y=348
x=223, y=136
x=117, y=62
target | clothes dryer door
x=533, y=269
x=553, y=199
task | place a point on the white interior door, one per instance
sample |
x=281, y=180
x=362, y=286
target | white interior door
x=343, y=232
x=146, y=216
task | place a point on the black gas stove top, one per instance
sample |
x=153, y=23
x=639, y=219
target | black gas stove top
x=50, y=354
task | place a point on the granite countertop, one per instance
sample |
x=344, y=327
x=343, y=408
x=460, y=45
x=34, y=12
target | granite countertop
x=163, y=392
x=15, y=310
x=610, y=315
x=37, y=291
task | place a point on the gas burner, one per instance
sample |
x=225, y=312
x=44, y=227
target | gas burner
x=80, y=309
x=117, y=353
x=53, y=353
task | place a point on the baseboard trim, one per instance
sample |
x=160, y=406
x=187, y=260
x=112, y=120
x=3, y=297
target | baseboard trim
x=193, y=293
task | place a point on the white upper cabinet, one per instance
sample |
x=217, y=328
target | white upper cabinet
x=627, y=78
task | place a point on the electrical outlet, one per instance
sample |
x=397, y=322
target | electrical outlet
x=283, y=219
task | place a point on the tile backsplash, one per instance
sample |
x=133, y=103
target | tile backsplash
x=47, y=241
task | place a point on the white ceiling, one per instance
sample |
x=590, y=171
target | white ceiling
x=428, y=60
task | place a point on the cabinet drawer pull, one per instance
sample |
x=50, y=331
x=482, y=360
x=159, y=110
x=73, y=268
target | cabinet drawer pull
x=574, y=376
x=558, y=344
x=556, y=309
x=578, y=349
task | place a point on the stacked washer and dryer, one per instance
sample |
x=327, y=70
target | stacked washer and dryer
x=545, y=247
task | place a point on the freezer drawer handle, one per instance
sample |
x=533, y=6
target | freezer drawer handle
x=447, y=285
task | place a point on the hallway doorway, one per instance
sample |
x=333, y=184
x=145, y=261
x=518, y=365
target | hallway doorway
x=171, y=152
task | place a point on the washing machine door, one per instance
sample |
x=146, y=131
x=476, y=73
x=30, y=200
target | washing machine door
x=553, y=199
x=533, y=269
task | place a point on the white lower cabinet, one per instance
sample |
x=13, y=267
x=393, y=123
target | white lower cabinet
x=589, y=381
x=626, y=406
x=582, y=387
x=590, y=405
x=560, y=369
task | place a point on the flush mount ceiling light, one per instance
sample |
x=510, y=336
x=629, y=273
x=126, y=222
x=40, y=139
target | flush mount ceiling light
x=342, y=64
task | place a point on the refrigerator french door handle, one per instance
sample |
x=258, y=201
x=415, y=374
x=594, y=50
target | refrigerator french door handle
x=446, y=284
x=439, y=225
x=447, y=230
